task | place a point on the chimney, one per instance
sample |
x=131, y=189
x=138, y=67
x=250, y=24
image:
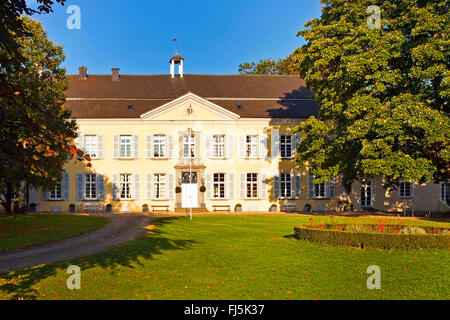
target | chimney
x=82, y=72
x=115, y=74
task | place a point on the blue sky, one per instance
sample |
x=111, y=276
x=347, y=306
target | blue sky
x=215, y=35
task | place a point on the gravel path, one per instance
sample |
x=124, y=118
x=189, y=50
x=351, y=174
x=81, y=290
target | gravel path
x=120, y=229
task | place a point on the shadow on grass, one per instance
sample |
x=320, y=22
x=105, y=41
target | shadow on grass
x=18, y=284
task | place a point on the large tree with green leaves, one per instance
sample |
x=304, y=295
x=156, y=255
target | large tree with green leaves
x=284, y=66
x=37, y=133
x=383, y=93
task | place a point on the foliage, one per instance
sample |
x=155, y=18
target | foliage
x=269, y=67
x=36, y=132
x=383, y=93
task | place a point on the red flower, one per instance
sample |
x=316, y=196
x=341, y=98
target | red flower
x=310, y=219
x=331, y=217
x=339, y=227
x=381, y=228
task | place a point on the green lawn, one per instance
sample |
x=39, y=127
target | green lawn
x=238, y=257
x=20, y=231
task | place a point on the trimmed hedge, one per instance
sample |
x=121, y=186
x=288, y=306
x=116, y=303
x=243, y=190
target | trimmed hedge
x=385, y=240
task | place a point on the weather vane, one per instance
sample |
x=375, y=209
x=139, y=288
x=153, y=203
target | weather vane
x=176, y=43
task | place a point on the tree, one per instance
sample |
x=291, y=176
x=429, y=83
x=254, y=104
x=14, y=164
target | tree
x=269, y=66
x=383, y=93
x=37, y=134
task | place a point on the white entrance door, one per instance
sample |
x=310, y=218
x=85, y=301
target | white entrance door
x=189, y=195
x=189, y=190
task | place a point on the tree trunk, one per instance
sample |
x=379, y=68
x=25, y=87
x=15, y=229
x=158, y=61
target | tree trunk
x=8, y=199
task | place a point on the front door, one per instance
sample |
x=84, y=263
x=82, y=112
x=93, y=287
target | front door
x=189, y=190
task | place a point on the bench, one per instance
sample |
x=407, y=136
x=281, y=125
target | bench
x=160, y=207
x=217, y=206
x=289, y=207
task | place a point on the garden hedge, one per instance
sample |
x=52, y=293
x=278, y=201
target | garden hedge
x=384, y=240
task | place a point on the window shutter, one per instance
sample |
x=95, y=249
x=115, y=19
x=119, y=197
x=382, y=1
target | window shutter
x=331, y=188
x=45, y=195
x=80, y=142
x=209, y=186
x=229, y=146
x=208, y=146
x=197, y=145
x=263, y=186
x=80, y=186
x=242, y=185
x=169, y=145
x=115, y=187
x=275, y=143
x=100, y=146
x=101, y=187
x=242, y=146
x=65, y=186
x=149, y=146
x=276, y=187
x=296, y=140
x=230, y=186
x=136, y=187
x=149, y=186
x=136, y=146
x=116, y=146
x=310, y=186
x=180, y=145
x=263, y=145
x=298, y=185
x=171, y=185
x=293, y=186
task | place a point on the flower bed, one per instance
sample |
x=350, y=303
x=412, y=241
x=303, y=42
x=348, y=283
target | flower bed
x=376, y=236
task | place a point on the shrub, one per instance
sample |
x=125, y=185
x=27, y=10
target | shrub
x=177, y=189
x=412, y=230
x=308, y=207
x=372, y=237
x=202, y=188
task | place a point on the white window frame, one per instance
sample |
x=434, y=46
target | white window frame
x=445, y=187
x=90, y=185
x=402, y=189
x=286, y=146
x=218, y=146
x=319, y=190
x=189, y=146
x=251, y=184
x=159, y=186
x=219, y=185
x=128, y=144
x=366, y=186
x=285, y=185
x=91, y=145
x=159, y=146
x=125, y=184
x=52, y=195
x=251, y=147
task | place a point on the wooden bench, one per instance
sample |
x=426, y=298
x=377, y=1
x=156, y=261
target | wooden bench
x=217, y=206
x=160, y=207
x=289, y=207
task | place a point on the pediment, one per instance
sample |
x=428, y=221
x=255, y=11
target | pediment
x=178, y=109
